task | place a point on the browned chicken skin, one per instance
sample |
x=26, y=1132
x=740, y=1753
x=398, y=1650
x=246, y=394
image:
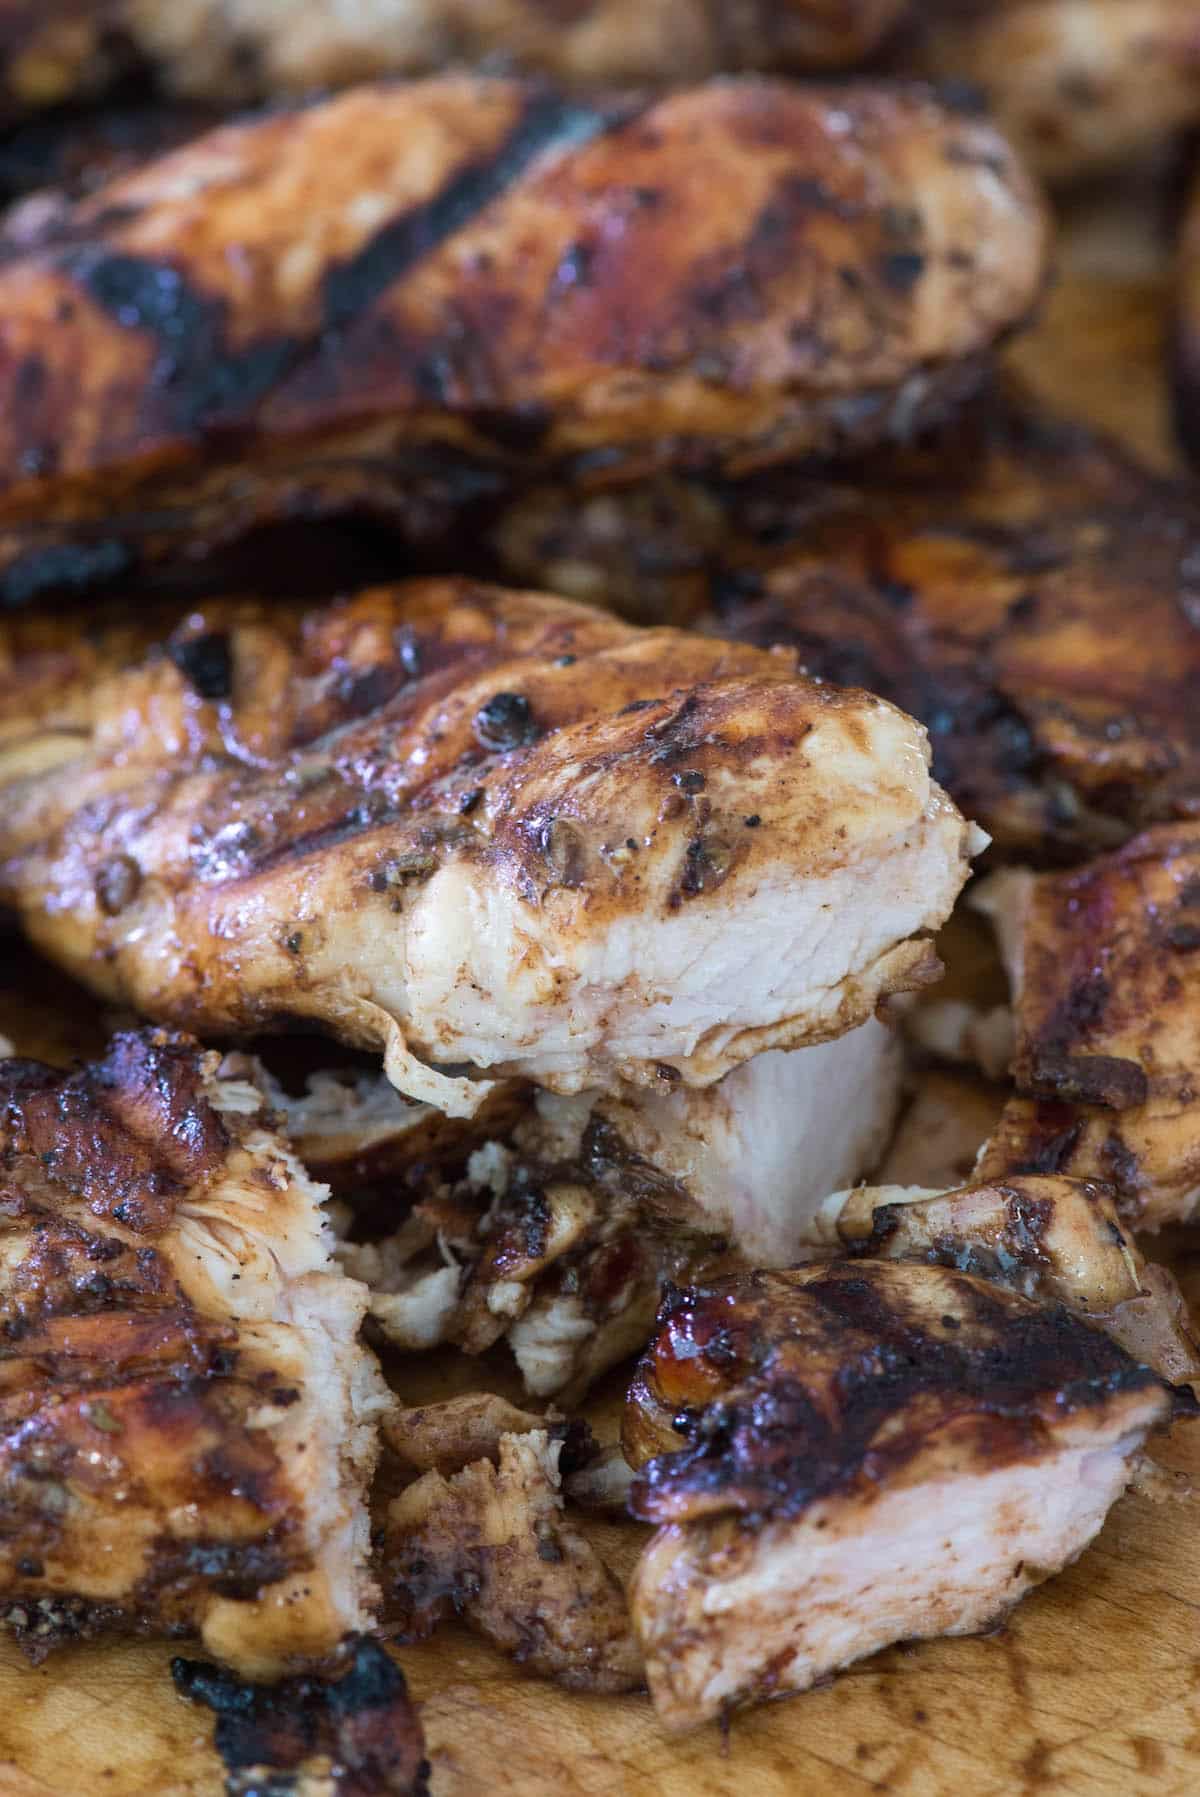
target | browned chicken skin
x=486, y=830
x=1107, y=998
x=234, y=51
x=1021, y=586
x=188, y=1425
x=1080, y=86
x=843, y=1456
x=410, y=293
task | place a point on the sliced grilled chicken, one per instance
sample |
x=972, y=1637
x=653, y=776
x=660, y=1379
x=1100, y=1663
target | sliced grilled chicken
x=1055, y=1239
x=1106, y=984
x=1020, y=585
x=493, y=1544
x=187, y=1424
x=354, y=1735
x=232, y=51
x=558, y=1239
x=1082, y=86
x=482, y=829
x=395, y=299
x=844, y=1456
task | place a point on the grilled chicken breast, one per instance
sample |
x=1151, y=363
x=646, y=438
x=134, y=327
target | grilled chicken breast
x=486, y=830
x=493, y=1544
x=1055, y=1239
x=233, y=51
x=1081, y=86
x=1105, y=982
x=1019, y=584
x=400, y=297
x=558, y=1239
x=843, y=1456
x=187, y=1425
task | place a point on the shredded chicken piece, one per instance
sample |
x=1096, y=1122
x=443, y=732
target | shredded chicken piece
x=493, y=1545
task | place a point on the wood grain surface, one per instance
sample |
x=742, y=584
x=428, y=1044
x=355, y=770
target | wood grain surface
x=1093, y=1687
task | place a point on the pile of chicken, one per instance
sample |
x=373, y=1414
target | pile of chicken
x=486, y=972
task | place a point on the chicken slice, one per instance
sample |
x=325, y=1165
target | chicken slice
x=1059, y=1240
x=493, y=1545
x=843, y=1456
x=187, y=1423
x=485, y=832
x=1082, y=86
x=1106, y=990
x=1018, y=583
x=403, y=298
x=356, y=1735
x=234, y=51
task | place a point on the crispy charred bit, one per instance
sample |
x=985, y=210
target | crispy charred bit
x=256, y=821
x=353, y=1734
x=493, y=1545
x=1105, y=987
x=234, y=51
x=1017, y=583
x=1059, y=1240
x=1080, y=86
x=186, y=1422
x=455, y=271
x=845, y=1455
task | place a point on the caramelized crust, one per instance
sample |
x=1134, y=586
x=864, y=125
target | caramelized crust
x=457, y=282
x=476, y=828
x=1106, y=988
x=238, y=50
x=1019, y=585
x=171, y=1327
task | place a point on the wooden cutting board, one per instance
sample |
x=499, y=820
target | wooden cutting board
x=1094, y=1686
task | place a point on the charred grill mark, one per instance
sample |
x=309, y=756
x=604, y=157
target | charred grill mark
x=363, y=1723
x=204, y=385
x=205, y=661
x=547, y=123
x=765, y=1434
x=1108, y=1080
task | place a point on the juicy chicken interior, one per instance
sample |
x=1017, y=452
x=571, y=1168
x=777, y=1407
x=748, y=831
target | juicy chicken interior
x=1081, y=86
x=399, y=299
x=187, y=1422
x=1106, y=990
x=1019, y=584
x=232, y=51
x=843, y=1456
x=487, y=830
